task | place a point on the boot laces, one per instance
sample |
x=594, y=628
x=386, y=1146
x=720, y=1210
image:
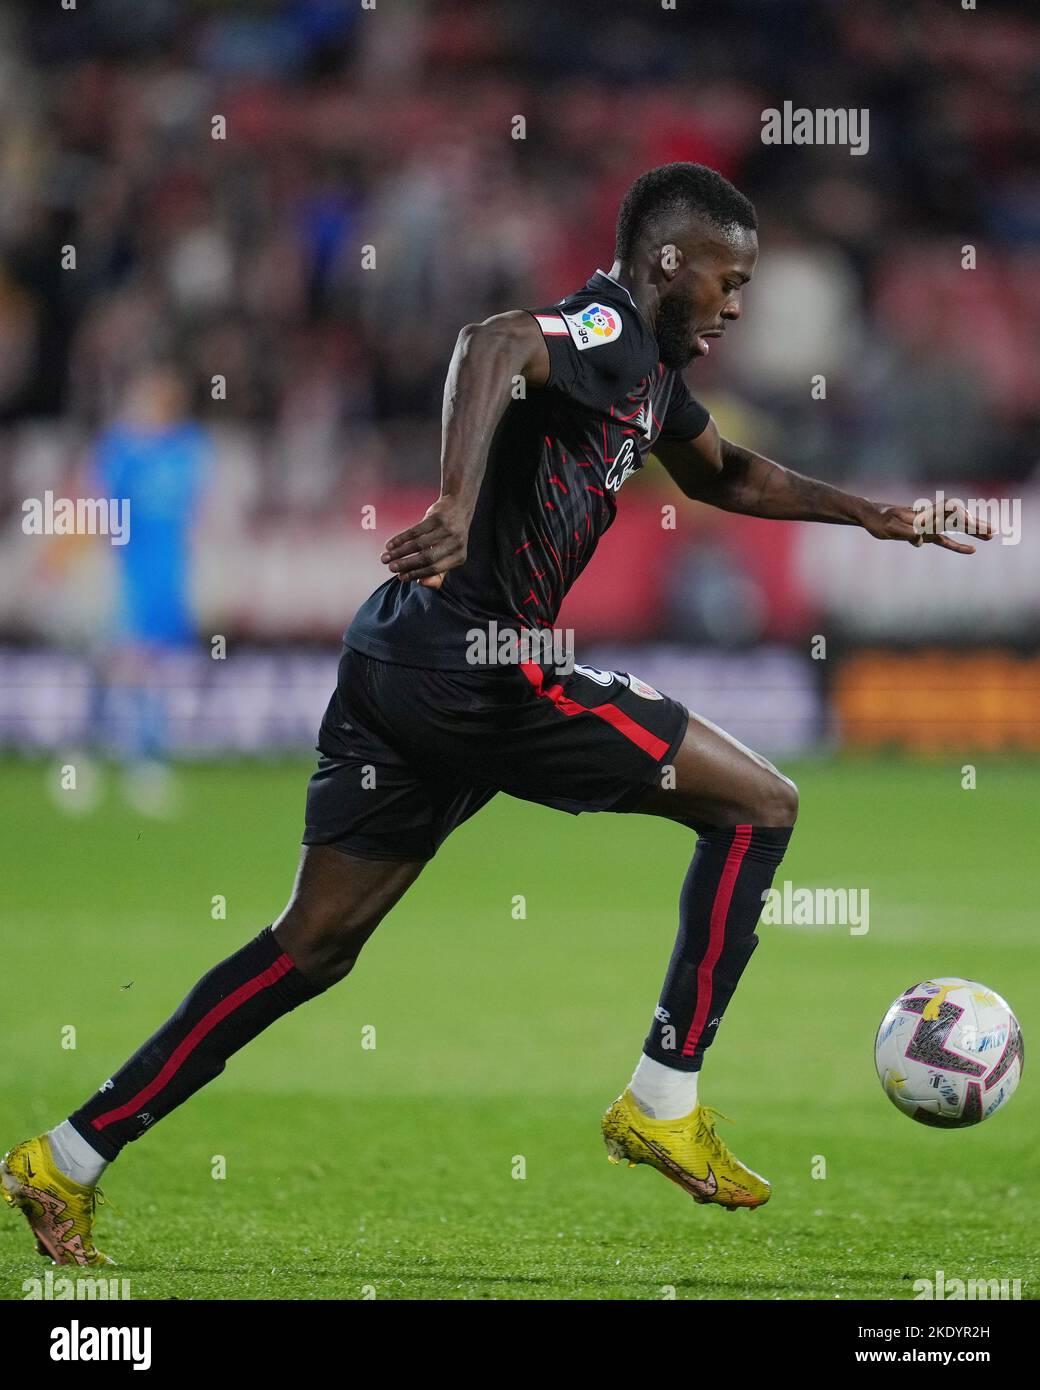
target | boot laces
x=706, y=1115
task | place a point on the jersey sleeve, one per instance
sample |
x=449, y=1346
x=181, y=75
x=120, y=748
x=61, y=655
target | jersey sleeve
x=685, y=417
x=596, y=351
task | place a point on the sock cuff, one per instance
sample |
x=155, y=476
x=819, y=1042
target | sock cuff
x=294, y=984
x=766, y=843
x=769, y=843
x=672, y=1060
x=100, y=1143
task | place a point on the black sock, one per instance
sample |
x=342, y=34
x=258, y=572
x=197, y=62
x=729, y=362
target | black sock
x=228, y=1007
x=719, y=907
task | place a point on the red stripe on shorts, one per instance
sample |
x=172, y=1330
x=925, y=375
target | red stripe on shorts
x=610, y=714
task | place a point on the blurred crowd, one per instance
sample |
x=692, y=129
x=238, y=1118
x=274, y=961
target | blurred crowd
x=307, y=200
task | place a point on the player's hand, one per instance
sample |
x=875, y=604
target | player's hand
x=427, y=551
x=922, y=526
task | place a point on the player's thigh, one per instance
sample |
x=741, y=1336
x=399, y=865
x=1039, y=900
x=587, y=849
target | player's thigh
x=373, y=796
x=373, y=819
x=715, y=780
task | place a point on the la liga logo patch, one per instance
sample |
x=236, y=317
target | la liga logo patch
x=593, y=325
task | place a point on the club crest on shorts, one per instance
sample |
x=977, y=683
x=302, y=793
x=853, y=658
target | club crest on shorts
x=639, y=687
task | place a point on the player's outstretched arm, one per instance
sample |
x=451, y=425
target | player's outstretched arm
x=714, y=470
x=487, y=360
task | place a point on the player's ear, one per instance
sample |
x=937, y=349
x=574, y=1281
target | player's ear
x=671, y=260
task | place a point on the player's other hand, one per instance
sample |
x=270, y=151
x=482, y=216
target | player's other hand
x=925, y=526
x=427, y=551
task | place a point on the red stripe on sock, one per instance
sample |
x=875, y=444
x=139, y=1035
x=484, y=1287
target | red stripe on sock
x=716, y=934
x=610, y=714
x=187, y=1045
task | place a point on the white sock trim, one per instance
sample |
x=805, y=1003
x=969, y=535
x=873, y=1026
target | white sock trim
x=663, y=1093
x=76, y=1158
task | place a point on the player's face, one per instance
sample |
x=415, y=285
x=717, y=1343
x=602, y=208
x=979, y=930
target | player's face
x=704, y=295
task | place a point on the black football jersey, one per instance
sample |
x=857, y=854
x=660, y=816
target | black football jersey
x=556, y=465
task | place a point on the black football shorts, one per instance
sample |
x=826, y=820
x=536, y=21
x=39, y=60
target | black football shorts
x=409, y=753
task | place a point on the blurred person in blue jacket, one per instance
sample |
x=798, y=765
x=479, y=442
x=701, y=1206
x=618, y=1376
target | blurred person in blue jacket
x=155, y=457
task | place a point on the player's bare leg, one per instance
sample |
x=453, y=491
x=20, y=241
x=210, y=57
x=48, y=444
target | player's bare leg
x=720, y=782
x=743, y=810
x=337, y=903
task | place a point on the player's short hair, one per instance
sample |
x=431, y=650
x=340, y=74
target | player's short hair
x=677, y=190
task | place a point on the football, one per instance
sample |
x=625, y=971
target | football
x=949, y=1052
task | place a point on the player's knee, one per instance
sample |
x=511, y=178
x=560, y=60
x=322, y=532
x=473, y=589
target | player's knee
x=780, y=803
x=774, y=803
x=325, y=939
x=331, y=960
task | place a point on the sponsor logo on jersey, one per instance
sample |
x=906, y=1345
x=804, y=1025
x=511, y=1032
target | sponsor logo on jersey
x=648, y=692
x=593, y=325
x=622, y=466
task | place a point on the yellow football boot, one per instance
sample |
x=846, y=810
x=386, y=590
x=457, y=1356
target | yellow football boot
x=60, y=1211
x=688, y=1151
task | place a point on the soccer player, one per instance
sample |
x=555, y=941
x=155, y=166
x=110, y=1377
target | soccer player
x=529, y=483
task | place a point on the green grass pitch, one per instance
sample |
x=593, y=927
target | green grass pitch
x=352, y=1171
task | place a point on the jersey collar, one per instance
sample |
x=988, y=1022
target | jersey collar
x=601, y=278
